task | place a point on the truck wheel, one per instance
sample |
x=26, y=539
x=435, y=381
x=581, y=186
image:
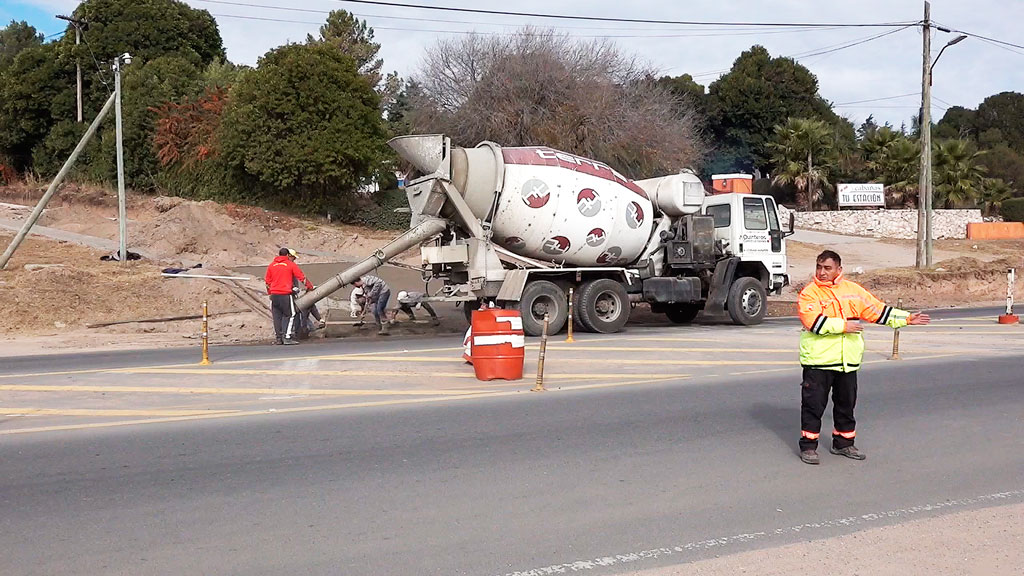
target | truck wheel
x=604, y=305
x=682, y=313
x=542, y=297
x=578, y=314
x=747, y=301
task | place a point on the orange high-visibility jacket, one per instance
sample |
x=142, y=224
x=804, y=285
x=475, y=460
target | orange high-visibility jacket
x=824, y=309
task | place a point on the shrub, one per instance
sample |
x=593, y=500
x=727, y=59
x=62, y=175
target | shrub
x=1013, y=210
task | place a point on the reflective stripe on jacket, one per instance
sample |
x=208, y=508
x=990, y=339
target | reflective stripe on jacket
x=824, y=308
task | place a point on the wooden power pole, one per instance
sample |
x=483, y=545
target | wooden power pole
x=924, y=194
x=78, y=67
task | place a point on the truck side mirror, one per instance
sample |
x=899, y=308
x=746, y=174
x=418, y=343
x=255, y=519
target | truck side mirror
x=792, y=221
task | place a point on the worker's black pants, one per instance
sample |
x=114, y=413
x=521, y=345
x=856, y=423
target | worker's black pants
x=286, y=315
x=813, y=400
x=407, y=308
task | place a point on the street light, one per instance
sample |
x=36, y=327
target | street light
x=956, y=40
x=925, y=194
x=122, y=216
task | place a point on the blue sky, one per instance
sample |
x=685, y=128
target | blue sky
x=32, y=13
x=886, y=70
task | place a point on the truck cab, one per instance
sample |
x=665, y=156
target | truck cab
x=747, y=226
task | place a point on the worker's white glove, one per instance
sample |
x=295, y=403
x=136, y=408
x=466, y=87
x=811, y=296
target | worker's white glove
x=419, y=306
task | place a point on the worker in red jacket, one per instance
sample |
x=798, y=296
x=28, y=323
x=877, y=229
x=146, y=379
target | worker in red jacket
x=280, y=278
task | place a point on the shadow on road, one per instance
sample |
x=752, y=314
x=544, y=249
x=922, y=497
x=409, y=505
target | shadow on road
x=784, y=421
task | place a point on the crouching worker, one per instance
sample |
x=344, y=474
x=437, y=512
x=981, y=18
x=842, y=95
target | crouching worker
x=407, y=300
x=377, y=293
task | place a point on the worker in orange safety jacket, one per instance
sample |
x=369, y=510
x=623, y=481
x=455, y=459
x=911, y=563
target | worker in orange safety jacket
x=831, y=348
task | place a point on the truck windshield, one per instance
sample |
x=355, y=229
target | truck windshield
x=754, y=217
x=721, y=214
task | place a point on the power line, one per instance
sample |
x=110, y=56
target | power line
x=817, y=51
x=980, y=37
x=879, y=99
x=436, y=31
x=629, y=20
x=781, y=30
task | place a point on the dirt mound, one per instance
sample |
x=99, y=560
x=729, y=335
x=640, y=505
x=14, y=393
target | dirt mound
x=58, y=288
x=959, y=281
x=201, y=231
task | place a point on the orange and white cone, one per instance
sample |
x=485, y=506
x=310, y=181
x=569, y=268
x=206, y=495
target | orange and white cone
x=467, y=344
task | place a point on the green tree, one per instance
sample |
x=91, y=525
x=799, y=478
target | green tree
x=758, y=93
x=14, y=38
x=1006, y=164
x=686, y=90
x=958, y=176
x=146, y=29
x=893, y=159
x=804, y=154
x=957, y=122
x=1004, y=112
x=305, y=126
x=353, y=37
x=868, y=127
x=994, y=192
x=33, y=91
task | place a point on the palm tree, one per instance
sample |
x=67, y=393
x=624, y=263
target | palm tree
x=795, y=146
x=994, y=192
x=893, y=159
x=958, y=177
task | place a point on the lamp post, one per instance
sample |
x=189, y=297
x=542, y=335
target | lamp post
x=925, y=209
x=122, y=216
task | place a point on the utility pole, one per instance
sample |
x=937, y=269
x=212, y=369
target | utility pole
x=57, y=180
x=78, y=67
x=122, y=212
x=924, y=194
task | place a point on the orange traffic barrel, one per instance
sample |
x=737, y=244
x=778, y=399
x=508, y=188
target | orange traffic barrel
x=499, y=345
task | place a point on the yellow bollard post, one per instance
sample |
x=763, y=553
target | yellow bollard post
x=896, y=335
x=570, y=338
x=206, y=337
x=540, y=359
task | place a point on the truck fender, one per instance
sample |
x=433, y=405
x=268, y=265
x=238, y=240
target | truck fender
x=721, y=280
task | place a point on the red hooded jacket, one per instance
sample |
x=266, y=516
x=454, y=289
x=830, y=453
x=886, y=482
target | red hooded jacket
x=280, y=274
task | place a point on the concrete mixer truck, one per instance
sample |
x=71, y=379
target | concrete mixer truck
x=521, y=226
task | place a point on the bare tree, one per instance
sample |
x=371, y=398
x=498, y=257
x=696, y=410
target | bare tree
x=543, y=88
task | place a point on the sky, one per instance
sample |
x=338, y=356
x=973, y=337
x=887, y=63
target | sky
x=885, y=71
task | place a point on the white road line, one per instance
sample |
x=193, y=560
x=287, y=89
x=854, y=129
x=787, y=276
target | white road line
x=681, y=549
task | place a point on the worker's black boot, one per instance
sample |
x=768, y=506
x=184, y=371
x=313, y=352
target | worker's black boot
x=809, y=457
x=849, y=452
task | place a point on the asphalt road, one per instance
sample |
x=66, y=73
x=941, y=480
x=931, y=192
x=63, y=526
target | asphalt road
x=611, y=479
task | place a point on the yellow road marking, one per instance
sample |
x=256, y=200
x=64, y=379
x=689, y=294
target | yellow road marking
x=247, y=391
x=219, y=363
x=280, y=372
x=436, y=359
x=657, y=349
x=265, y=412
x=110, y=412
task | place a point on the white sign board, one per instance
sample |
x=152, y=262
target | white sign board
x=862, y=195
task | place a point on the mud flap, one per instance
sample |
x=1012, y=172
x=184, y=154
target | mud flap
x=721, y=281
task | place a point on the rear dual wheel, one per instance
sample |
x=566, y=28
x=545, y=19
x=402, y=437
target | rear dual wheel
x=540, y=298
x=602, y=306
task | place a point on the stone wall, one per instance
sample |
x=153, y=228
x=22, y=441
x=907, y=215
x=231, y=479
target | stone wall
x=883, y=223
